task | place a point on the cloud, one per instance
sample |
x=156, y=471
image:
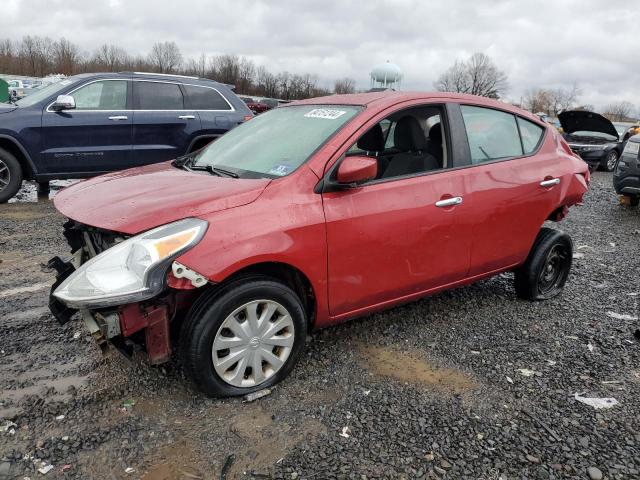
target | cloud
x=538, y=44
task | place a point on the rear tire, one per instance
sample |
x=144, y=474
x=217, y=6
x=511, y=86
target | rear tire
x=610, y=161
x=547, y=267
x=10, y=175
x=221, y=319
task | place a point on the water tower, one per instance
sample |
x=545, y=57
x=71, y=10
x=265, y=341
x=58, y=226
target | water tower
x=386, y=76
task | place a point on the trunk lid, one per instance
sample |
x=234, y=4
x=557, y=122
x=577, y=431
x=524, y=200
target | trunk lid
x=579, y=120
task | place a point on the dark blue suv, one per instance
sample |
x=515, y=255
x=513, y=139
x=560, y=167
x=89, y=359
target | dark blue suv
x=94, y=123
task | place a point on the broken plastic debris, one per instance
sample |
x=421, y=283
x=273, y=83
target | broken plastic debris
x=596, y=403
x=44, y=469
x=76, y=335
x=346, y=433
x=7, y=427
x=129, y=470
x=60, y=417
x=256, y=395
x=525, y=372
x=578, y=255
x=128, y=404
x=590, y=347
x=366, y=392
x=621, y=316
x=551, y=362
x=509, y=379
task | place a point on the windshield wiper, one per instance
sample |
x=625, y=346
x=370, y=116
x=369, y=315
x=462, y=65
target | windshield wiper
x=184, y=160
x=214, y=170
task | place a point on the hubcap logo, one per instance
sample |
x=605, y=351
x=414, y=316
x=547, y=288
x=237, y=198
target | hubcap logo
x=254, y=342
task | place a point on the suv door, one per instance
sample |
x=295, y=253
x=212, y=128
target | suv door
x=162, y=128
x=394, y=238
x=511, y=183
x=92, y=138
x=217, y=115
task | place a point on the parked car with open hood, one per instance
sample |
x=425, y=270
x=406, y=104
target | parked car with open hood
x=378, y=199
x=593, y=137
x=90, y=124
x=626, y=178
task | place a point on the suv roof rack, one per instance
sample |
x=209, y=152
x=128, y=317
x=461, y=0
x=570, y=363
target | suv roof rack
x=163, y=75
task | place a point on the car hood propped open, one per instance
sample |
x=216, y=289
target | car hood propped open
x=581, y=120
x=135, y=200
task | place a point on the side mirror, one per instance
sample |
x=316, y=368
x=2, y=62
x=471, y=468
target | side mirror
x=64, y=102
x=357, y=169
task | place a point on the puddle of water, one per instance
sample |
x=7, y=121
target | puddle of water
x=29, y=191
x=410, y=367
x=60, y=384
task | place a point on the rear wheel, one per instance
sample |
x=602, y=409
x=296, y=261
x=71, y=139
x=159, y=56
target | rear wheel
x=547, y=267
x=610, y=161
x=245, y=337
x=10, y=175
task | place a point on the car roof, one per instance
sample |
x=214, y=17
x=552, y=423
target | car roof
x=152, y=76
x=384, y=99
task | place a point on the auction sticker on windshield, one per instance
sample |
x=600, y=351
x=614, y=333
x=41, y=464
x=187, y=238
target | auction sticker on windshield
x=327, y=113
x=632, y=148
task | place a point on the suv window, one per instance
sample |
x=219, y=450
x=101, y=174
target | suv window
x=104, y=95
x=203, y=98
x=157, y=96
x=492, y=134
x=531, y=135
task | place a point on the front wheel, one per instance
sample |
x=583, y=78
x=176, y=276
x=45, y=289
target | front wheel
x=10, y=175
x=547, y=267
x=245, y=337
x=610, y=161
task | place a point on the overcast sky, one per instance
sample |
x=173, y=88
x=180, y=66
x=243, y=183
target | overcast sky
x=543, y=43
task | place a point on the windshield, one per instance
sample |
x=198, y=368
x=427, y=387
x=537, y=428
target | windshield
x=275, y=143
x=44, y=92
x=584, y=133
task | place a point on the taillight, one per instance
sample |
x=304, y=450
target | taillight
x=246, y=118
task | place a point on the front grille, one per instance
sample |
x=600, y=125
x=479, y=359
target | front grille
x=93, y=240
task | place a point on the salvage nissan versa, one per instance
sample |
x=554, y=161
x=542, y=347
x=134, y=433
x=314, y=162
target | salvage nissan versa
x=308, y=215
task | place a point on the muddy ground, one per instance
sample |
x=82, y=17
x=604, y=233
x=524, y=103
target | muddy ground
x=472, y=383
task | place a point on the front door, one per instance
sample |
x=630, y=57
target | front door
x=162, y=128
x=92, y=138
x=400, y=234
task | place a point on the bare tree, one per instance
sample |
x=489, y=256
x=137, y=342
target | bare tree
x=344, y=85
x=66, y=57
x=562, y=99
x=197, y=67
x=537, y=100
x=477, y=76
x=618, y=112
x=165, y=57
x=111, y=58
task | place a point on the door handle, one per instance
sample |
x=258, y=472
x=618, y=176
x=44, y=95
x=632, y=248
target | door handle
x=119, y=117
x=187, y=117
x=550, y=183
x=449, y=202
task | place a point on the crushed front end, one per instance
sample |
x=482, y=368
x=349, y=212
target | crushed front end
x=127, y=289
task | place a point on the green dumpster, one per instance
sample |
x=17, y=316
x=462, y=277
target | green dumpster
x=4, y=91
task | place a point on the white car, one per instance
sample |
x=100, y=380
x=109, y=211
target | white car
x=16, y=89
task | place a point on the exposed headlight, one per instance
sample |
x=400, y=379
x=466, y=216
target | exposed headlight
x=132, y=270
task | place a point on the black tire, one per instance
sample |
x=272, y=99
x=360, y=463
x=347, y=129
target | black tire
x=610, y=161
x=206, y=317
x=547, y=267
x=10, y=172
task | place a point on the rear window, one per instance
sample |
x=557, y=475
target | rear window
x=157, y=96
x=203, y=98
x=492, y=134
x=531, y=135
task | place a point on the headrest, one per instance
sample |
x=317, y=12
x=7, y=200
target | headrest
x=408, y=134
x=373, y=140
x=435, y=133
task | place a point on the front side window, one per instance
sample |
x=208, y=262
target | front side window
x=531, y=135
x=277, y=142
x=202, y=98
x=104, y=95
x=492, y=134
x=157, y=96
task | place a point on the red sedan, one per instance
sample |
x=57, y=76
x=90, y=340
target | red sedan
x=311, y=214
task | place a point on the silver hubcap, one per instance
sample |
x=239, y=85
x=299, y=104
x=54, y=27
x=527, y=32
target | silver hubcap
x=253, y=343
x=611, y=160
x=5, y=175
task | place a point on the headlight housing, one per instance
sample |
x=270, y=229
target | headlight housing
x=131, y=271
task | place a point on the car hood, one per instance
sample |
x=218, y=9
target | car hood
x=580, y=120
x=135, y=200
x=7, y=107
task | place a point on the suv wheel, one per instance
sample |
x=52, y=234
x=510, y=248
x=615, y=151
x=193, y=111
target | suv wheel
x=244, y=337
x=10, y=175
x=611, y=160
x=547, y=267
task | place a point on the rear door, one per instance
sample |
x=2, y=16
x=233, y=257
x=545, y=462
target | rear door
x=95, y=136
x=513, y=186
x=217, y=115
x=163, y=127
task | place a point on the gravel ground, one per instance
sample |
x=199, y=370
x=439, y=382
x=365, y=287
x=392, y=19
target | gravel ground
x=471, y=383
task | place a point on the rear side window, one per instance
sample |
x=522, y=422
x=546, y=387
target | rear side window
x=203, y=98
x=492, y=134
x=157, y=96
x=105, y=95
x=531, y=135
